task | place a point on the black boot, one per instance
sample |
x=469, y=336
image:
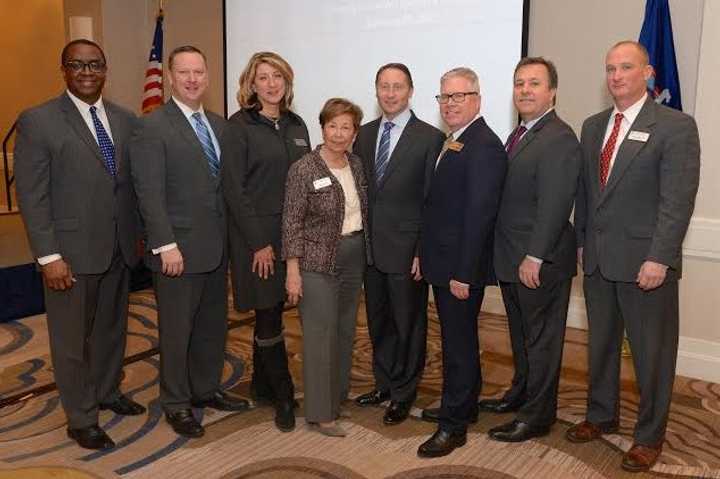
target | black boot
x=260, y=390
x=275, y=364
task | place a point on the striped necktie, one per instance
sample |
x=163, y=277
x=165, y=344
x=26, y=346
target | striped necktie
x=104, y=142
x=207, y=145
x=383, y=154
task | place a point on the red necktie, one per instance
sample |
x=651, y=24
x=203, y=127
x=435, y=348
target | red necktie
x=607, y=151
x=514, y=138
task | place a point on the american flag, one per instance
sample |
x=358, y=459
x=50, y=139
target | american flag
x=153, y=95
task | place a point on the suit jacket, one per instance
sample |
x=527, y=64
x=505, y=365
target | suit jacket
x=395, y=205
x=69, y=201
x=179, y=199
x=537, y=201
x=460, y=210
x=644, y=210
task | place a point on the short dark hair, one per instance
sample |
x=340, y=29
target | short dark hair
x=79, y=41
x=340, y=106
x=397, y=66
x=185, y=49
x=549, y=66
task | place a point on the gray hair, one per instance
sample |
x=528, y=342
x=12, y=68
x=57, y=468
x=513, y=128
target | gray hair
x=463, y=72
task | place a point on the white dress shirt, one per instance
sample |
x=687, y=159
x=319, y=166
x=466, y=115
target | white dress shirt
x=84, y=110
x=455, y=135
x=400, y=121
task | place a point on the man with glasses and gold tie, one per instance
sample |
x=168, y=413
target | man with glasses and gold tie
x=457, y=249
x=176, y=159
x=79, y=210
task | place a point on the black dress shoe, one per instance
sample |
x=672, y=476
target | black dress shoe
x=373, y=398
x=285, y=415
x=124, y=406
x=441, y=443
x=91, y=437
x=184, y=423
x=397, y=412
x=222, y=402
x=432, y=414
x=517, y=431
x=499, y=405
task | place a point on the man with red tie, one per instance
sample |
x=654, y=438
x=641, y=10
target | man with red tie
x=641, y=164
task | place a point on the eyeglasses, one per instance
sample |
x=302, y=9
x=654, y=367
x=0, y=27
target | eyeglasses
x=457, y=97
x=94, y=66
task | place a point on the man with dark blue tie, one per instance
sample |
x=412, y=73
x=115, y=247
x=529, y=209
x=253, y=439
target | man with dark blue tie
x=80, y=214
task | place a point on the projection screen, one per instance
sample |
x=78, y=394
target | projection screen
x=336, y=46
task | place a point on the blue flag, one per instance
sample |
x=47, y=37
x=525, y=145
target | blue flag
x=657, y=36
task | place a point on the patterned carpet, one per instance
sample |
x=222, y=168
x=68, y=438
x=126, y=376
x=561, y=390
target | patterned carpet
x=33, y=443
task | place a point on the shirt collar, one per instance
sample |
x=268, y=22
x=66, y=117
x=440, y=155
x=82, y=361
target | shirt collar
x=399, y=121
x=187, y=111
x=528, y=125
x=85, y=107
x=630, y=112
x=457, y=134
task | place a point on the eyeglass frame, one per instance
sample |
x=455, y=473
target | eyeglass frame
x=457, y=97
x=79, y=66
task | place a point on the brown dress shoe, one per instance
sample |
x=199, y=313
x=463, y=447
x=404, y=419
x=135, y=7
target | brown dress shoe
x=587, y=431
x=641, y=458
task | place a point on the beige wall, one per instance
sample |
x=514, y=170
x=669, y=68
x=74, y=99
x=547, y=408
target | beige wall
x=84, y=8
x=128, y=28
x=32, y=42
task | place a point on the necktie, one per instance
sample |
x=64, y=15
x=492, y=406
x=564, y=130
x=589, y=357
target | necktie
x=515, y=138
x=383, y=154
x=104, y=142
x=448, y=141
x=206, y=142
x=608, y=149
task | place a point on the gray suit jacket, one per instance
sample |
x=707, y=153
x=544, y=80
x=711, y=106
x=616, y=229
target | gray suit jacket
x=70, y=203
x=179, y=199
x=395, y=205
x=644, y=210
x=537, y=200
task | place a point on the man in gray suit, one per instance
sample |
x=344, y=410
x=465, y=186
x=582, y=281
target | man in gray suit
x=641, y=164
x=535, y=250
x=80, y=214
x=399, y=153
x=176, y=160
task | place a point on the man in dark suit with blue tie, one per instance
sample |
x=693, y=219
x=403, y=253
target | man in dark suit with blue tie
x=75, y=196
x=457, y=249
x=176, y=160
x=399, y=152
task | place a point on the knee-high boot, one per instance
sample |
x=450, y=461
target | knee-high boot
x=273, y=357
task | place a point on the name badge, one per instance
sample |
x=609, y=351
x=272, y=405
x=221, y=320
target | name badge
x=322, y=183
x=638, y=136
x=300, y=142
x=455, y=146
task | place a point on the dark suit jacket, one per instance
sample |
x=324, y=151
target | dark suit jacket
x=644, y=211
x=179, y=199
x=537, y=201
x=460, y=210
x=395, y=205
x=69, y=201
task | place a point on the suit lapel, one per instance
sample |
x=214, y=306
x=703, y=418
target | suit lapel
x=629, y=149
x=182, y=125
x=76, y=121
x=118, y=130
x=530, y=135
x=369, y=146
x=597, y=137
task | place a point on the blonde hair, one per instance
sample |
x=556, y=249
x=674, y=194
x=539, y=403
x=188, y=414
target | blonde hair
x=246, y=96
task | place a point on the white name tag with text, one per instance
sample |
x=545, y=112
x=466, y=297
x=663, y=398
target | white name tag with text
x=638, y=136
x=300, y=142
x=322, y=183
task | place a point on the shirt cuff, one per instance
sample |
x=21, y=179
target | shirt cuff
x=164, y=248
x=534, y=259
x=43, y=260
